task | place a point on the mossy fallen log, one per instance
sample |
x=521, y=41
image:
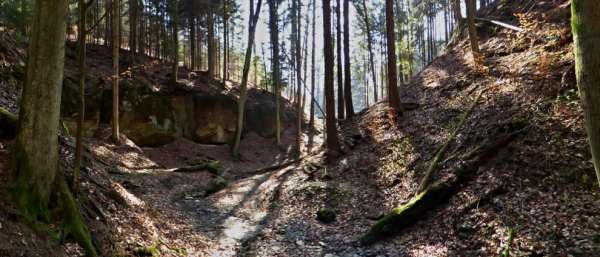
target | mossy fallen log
x=213, y=167
x=442, y=150
x=438, y=193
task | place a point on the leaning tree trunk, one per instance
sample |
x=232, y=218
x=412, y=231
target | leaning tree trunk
x=586, y=13
x=115, y=62
x=254, y=15
x=333, y=146
x=392, y=78
x=347, y=70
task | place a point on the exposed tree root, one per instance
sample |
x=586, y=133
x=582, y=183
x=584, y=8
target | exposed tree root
x=438, y=193
x=73, y=222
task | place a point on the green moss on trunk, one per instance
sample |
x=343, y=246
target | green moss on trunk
x=72, y=220
x=30, y=199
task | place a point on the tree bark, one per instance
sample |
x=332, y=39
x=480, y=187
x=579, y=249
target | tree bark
x=133, y=15
x=254, y=15
x=193, y=42
x=34, y=160
x=471, y=9
x=333, y=146
x=276, y=80
x=211, y=43
x=116, y=21
x=312, y=73
x=340, y=68
x=586, y=35
x=370, y=48
x=347, y=69
x=82, y=33
x=392, y=78
x=458, y=19
x=175, y=32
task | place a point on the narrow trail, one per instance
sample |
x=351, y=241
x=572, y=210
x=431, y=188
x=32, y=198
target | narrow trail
x=231, y=219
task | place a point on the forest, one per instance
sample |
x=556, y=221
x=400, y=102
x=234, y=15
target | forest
x=315, y=128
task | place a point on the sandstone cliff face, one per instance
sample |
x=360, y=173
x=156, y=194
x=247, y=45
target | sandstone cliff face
x=154, y=118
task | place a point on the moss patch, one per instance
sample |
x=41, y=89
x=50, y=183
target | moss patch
x=326, y=215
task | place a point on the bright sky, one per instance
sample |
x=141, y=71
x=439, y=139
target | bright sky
x=262, y=33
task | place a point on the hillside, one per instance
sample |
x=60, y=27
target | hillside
x=532, y=194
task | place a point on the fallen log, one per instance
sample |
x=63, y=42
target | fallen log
x=442, y=150
x=501, y=24
x=213, y=167
x=404, y=216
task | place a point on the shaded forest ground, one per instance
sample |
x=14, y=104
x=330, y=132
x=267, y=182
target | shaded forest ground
x=541, y=186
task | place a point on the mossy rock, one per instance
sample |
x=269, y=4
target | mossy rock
x=146, y=251
x=216, y=185
x=326, y=215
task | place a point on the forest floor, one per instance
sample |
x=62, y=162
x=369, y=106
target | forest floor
x=540, y=188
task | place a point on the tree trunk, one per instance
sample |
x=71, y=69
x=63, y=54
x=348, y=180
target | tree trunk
x=347, y=70
x=34, y=160
x=81, y=32
x=312, y=73
x=193, y=43
x=276, y=80
x=296, y=23
x=340, y=78
x=116, y=21
x=471, y=9
x=225, y=43
x=370, y=48
x=392, y=78
x=211, y=44
x=333, y=147
x=133, y=10
x=175, y=26
x=587, y=63
x=458, y=19
x=254, y=15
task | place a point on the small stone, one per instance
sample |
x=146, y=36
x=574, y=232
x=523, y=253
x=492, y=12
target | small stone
x=326, y=215
x=330, y=255
x=300, y=243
